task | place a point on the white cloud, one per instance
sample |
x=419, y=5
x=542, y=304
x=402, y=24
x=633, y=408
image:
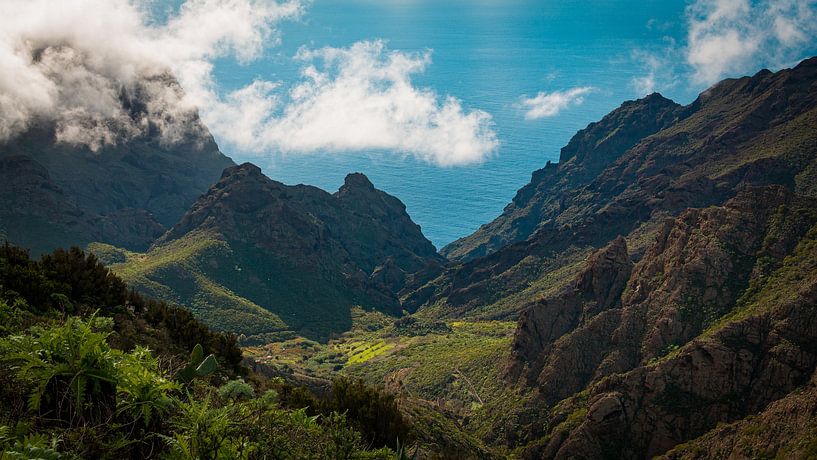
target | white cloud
x=79, y=62
x=356, y=98
x=549, y=104
x=727, y=37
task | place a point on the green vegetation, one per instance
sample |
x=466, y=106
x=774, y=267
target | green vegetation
x=180, y=273
x=234, y=287
x=78, y=381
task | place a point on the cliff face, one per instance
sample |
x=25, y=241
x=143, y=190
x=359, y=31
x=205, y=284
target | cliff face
x=125, y=193
x=751, y=131
x=256, y=257
x=581, y=160
x=759, y=353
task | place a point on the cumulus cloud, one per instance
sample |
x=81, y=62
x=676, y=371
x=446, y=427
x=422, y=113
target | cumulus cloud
x=733, y=36
x=550, y=104
x=105, y=70
x=356, y=98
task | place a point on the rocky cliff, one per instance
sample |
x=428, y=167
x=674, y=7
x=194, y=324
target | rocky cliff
x=751, y=131
x=256, y=257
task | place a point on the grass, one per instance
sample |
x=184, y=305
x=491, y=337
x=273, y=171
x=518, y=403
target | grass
x=360, y=352
x=175, y=273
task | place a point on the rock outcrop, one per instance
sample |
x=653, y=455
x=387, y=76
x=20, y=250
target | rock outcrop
x=712, y=326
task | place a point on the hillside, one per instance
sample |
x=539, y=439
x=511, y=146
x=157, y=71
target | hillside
x=663, y=296
x=266, y=260
x=751, y=131
x=126, y=192
x=90, y=369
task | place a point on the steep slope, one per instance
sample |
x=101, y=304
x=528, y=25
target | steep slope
x=660, y=290
x=581, y=160
x=786, y=428
x=125, y=193
x=744, y=132
x=761, y=350
x=260, y=258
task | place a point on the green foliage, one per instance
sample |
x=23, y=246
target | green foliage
x=198, y=366
x=73, y=282
x=66, y=366
x=146, y=395
x=374, y=411
x=203, y=431
x=32, y=448
x=236, y=390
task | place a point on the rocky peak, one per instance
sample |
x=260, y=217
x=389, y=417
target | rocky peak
x=622, y=128
x=356, y=182
x=359, y=224
x=243, y=170
x=588, y=153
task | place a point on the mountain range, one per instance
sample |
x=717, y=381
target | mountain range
x=651, y=294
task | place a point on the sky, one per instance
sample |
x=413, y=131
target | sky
x=402, y=89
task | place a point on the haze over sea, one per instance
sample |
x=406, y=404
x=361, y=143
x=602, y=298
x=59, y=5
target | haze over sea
x=489, y=54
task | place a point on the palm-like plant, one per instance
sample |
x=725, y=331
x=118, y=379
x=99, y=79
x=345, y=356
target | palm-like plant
x=146, y=394
x=68, y=366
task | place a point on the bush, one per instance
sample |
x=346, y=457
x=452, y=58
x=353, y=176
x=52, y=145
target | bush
x=236, y=390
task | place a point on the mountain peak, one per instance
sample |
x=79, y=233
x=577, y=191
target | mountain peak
x=357, y=180
x=244, y=169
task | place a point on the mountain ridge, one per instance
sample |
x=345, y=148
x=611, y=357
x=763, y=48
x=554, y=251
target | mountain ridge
x=296, y=258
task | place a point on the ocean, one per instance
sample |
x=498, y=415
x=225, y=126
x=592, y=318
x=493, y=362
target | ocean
x=488, y=54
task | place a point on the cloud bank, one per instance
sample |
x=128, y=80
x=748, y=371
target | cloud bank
x=550, y=104
x=727, y=38
x=104, y=70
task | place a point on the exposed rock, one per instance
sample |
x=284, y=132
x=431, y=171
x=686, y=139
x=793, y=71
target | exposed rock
x=698, y=270
x=597, y=289
x=581, y=160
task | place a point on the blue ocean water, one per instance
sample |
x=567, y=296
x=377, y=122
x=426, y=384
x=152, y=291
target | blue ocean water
x=488, y=54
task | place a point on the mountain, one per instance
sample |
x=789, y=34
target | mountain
x=751, y=131
x=581, y=160
x=259, y=258
x=127, y=193
x=662, y=277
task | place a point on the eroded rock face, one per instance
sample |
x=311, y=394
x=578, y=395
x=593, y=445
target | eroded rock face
x=595, y=291
x=787, y=426
x=38, y=214
x=756, y=254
